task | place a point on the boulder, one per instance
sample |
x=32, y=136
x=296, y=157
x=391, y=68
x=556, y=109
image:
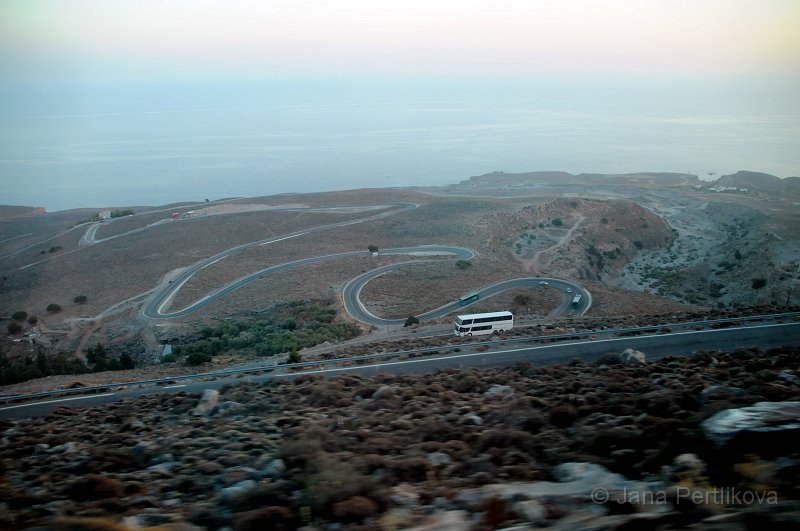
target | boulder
x=632, y=357
x=502, y=391
x=207, y=403
x=764, y=428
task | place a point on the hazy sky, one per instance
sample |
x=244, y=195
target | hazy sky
x=113, y=102
x=101, y=38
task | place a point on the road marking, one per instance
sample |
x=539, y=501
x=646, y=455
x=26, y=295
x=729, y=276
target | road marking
x=54, y=401
x=284, y=238
x=173, y=386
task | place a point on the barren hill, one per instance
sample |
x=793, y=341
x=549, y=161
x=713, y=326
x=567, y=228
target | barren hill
x=642, y=243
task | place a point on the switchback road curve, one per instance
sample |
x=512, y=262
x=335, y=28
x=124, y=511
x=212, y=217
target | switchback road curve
x=157, y=305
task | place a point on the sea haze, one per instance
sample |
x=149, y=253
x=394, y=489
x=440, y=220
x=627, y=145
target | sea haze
x=73, y=146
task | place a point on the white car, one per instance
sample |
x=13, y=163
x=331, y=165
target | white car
x=569, y=290
x=543, y=283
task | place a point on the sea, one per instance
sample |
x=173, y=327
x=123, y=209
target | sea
x=72, y=145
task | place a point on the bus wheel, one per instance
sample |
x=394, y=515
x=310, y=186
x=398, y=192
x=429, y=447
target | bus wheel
x=469, y=334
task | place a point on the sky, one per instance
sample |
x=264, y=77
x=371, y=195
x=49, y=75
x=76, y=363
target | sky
x=662, y=61
x=98, y=38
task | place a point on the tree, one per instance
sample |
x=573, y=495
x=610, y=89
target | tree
x=80, y=299
x=41, y=362
x=53, y=307
x=96, y=356
x=14, y=328
x=373, y=248
x=33, y=320
x=759, y=283
x=125, y=361
x=19, y=316
x=294, y=357
x=463, y=264
x=411, y=320
x=557, y=222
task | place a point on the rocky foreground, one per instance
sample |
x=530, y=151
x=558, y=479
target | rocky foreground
x=707, y=441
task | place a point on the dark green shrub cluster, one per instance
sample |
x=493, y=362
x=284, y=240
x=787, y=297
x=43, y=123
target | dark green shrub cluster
x=309, y=324
x=38, y=367
x=97, y=357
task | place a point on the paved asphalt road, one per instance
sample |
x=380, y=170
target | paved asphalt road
x=154, y=308
x=655, y=347
x=352, y=291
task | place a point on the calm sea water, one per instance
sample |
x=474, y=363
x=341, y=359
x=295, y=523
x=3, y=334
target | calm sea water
x=77, y=146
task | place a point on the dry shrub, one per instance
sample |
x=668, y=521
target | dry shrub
x=563, y=416
x=409, y=469
x=506, y=438
x=330, y=480
x=355, y=509
x=299, y=452
x=94, y=487
x=273, y=517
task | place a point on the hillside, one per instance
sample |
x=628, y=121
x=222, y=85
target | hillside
x=642, y=243
x=605, y=446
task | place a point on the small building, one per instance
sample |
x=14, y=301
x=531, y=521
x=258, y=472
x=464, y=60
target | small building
x=104, y=214
x=166, y=351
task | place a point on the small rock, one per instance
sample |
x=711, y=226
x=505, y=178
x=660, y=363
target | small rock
x=151, y=519
x=275, y=469
x=40, y=448
x=238, y=474
x=384, y=392
x=162, y=468
x=632, y=357
x=404, y=494
x=473, y=419
x=445, y=521
x=439, y=459
x=207, y=403
x=505, y=391
x=228, y=407
x=531, y=510
x=789, y=375
x=238, y=491
x=723, y=390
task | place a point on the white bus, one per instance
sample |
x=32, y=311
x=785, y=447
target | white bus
x=483, y=323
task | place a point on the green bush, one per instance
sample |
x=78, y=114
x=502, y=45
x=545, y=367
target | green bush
x=19, y=316
x=14, y=328
x=759, y=283
x=80, y=299
x=197, y=358
x=309, y=324
x=126, y=361
x=411, y=320
x=53, y=307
